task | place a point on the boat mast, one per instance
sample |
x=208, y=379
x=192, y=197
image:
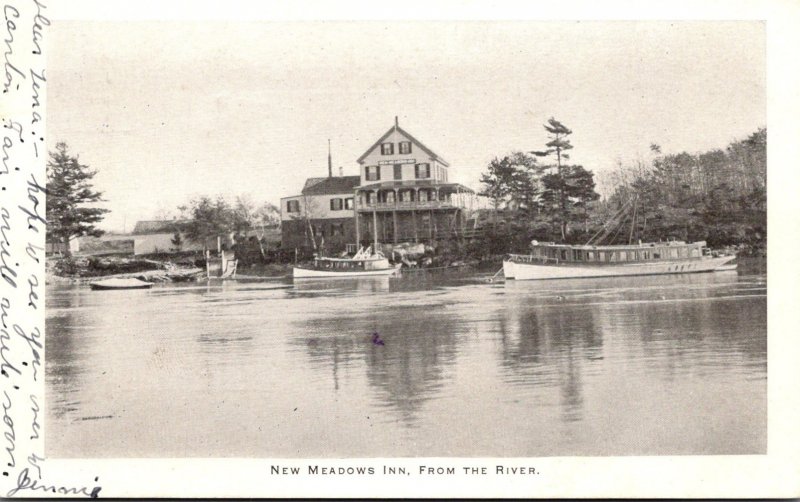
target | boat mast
x=330, y=164
x=633, y=219
x=609, y=226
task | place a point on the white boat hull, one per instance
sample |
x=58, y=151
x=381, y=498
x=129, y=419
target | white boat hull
x=306, y=273
x=538, y=271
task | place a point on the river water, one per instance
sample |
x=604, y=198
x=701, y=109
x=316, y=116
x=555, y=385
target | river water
x=459, y=367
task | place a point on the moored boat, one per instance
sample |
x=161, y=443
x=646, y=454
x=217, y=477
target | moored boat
x=564, y=261
x=568, y=261
x=364, y=263
x=120, y=283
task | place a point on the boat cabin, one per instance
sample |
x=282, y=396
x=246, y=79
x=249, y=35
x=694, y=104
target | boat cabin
x=343, y=264
x=559, y=253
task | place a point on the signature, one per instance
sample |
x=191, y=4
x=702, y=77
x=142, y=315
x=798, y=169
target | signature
x=24, y=482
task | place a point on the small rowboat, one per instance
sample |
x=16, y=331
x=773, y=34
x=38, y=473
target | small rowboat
x=109, y=284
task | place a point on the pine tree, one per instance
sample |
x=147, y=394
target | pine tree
x=567, y=191
x=69, y=190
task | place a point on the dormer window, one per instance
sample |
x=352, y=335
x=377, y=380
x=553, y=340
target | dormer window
x=405, y=147
x=387, y=148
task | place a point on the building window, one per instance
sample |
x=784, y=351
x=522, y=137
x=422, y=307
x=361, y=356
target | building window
x=318, y=231
x=293, y=206
x=348, y=203
x=373, y=173
x=405, y=195
x=390, y=197
x=387, y=148
x=398, y=171
x=423, y=195
x=422, y=171
x=405, y=147
x=337, y=229
x=336, y=204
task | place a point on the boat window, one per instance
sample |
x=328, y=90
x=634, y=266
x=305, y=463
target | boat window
x=645, y=255
x=564, y=254
x=612, y=256
x=601, y=256
x=673, y=253
x=590, y=256
x=657, y=254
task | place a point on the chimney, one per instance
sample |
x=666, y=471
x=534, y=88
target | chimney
x=330, y=166
x=341, y=171
x=396, y=123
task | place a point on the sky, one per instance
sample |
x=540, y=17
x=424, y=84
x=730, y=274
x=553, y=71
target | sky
x=167, y=111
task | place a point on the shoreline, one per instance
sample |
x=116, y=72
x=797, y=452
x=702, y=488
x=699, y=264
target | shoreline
x=85, y=269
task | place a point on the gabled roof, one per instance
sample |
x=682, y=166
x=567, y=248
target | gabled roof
x=158, y=226
x=330, y=186
x=410, y=138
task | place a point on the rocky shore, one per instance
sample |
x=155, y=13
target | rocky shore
x=85, y=269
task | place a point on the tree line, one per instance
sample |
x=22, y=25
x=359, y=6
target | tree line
x=718, y=196
x=71, y=197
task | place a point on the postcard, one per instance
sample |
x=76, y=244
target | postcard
x=444, y=249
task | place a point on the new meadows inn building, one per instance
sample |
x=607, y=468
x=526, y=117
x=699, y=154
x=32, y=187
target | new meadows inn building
x=402, y=194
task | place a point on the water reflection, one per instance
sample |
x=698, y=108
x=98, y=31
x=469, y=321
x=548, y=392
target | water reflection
x=405, y=371
x=542, y=345
x=630, y=366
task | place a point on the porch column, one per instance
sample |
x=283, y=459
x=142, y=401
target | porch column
x=414, y=221
x=358, y=230
x=375, y=229
x=433, y=226
x=394, y=225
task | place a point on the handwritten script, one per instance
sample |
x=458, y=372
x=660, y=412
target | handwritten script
x=22, y=246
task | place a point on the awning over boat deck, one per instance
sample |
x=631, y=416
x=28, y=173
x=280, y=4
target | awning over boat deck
x=412, y=184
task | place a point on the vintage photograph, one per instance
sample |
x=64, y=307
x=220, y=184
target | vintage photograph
x=362, y=239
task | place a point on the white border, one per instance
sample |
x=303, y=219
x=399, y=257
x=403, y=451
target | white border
x=776, y=474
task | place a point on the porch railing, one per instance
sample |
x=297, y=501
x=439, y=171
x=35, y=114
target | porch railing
x=416, y=204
